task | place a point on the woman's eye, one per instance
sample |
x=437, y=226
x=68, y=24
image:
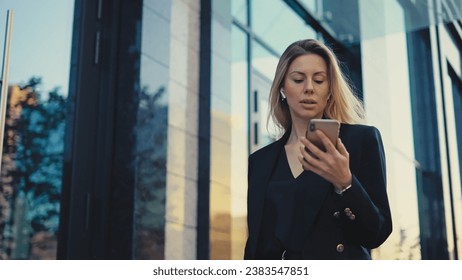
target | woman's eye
x=319, y=81
x=298, y=81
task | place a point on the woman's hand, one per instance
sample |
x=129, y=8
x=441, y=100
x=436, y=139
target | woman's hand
x=333, y=165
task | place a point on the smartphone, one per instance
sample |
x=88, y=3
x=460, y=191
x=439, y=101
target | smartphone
x=330, y=128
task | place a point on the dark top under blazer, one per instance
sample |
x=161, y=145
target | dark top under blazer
x=367, y=199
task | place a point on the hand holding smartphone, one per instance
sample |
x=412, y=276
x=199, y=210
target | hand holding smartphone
x=330, y=128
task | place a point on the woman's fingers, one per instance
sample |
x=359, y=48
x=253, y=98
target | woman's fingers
x=307, y=164
x=328, y=145
x=341, y=148
x=332, y=165
x=311, y=147
x=308, y=161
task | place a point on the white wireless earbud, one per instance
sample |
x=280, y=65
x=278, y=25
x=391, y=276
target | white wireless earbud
x=283, y=96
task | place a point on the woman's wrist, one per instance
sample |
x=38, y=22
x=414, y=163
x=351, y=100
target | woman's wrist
x=342, y=187
x=341, y=190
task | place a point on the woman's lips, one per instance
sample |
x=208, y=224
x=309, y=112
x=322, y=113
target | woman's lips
x=308, y=101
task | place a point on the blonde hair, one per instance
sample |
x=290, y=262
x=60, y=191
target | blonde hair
x=343, y=105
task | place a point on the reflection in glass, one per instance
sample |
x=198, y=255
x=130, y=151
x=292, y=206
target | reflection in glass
x=239, y=141
x=455, y=156
x=312, y=5
x=31, y=172
x=151, y=133
x=278, y=25
x=30, y=179
x=239, y=10
x=457, y=97
x=151, y=150
x=263, y=61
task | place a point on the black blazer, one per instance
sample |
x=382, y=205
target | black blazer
x=327, y=232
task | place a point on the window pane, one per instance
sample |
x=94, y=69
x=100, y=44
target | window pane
x=31, y=172
x=278, y=25
x=239, y=10
x=239, y=141
x=263, y=61
x=311, y=5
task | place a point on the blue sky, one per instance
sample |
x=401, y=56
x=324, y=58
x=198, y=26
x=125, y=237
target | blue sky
x=41, y=41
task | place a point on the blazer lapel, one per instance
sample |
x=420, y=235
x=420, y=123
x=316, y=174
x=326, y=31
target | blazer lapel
x=258, y=184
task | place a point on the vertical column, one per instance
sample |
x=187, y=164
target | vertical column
x=386, y=92
x=220, y=137
x=183, y=157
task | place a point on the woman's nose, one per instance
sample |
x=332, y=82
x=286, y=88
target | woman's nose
x=309, y=87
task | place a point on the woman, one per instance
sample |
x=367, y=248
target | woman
x=306, y=203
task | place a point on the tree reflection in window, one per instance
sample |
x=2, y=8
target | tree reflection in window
x=31, y=172
x=151, y=155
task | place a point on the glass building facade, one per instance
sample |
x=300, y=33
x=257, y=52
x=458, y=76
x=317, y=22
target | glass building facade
x=129, y=123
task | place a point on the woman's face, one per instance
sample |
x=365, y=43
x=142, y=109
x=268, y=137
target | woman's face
x=306, y=87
